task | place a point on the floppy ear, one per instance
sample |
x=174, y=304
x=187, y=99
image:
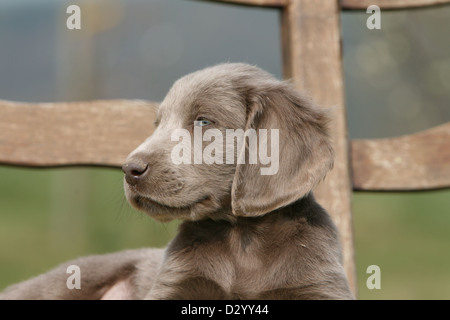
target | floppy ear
x=305, y=152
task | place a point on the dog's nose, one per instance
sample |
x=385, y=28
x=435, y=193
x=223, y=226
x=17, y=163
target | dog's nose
x=134, y=171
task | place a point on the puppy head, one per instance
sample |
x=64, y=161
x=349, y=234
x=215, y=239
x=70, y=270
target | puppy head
x=196, y=164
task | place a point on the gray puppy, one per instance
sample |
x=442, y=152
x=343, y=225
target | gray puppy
x=248, y=233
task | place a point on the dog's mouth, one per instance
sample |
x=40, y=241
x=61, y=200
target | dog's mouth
x=144, y=201
x=164, y=212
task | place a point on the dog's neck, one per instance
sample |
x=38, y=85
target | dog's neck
x=305, y=208
x=303, y=213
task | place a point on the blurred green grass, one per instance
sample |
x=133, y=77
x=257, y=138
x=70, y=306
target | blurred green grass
x=48, y=216
x=408, y=236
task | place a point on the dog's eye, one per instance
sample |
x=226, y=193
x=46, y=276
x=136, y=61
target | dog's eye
x=202, y=122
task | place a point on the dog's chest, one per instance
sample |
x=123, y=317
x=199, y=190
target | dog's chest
x=238, y=269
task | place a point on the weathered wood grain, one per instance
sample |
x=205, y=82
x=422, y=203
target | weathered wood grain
x=389, y=4
x=262, y=3
x=419, y=161
x=104, y=132
x=77, y=133
x=312, y=58
x=347, y=4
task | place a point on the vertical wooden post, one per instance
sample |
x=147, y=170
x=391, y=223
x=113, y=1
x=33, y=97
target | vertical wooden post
x=312, y=58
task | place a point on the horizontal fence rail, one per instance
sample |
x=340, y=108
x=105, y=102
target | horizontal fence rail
x=104, y=132
x=346, y=4
x=418, y=161
x=261, y=3
x=390, y=4
x=99, y=132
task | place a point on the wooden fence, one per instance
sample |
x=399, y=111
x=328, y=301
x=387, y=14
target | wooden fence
x=102, y=133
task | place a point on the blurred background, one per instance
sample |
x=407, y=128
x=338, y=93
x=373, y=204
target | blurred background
x=397, y=82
